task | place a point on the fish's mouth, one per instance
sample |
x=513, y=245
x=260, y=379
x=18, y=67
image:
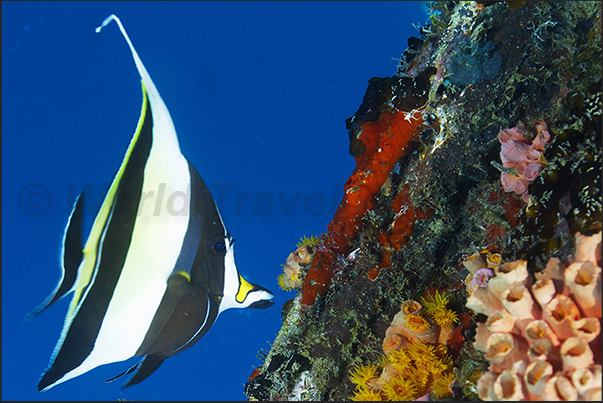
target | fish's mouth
x=262, y=304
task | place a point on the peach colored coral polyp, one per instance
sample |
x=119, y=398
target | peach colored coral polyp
x=543, y=340
x=302, y=255
x=399, y=332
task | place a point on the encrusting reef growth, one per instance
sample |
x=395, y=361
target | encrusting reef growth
x=477, y=192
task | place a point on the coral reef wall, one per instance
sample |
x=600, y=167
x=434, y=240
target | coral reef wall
x=427, y=192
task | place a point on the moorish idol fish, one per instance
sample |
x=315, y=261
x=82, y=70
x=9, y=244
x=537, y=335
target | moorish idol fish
x=158, y=266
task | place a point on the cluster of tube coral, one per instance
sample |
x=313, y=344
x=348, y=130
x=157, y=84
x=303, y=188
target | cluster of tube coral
x=523, y=155
x=542, y=336
x=416, y=361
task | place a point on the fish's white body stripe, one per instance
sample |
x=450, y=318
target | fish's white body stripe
x=231, y=280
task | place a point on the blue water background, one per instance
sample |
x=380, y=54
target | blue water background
x=259, y=93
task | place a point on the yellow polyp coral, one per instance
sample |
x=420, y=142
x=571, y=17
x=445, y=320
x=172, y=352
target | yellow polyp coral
x=430, y=358
x=287, y=284
x=423, y=353
x=291, y=278
x=542, y=335
x=443, y=386
x=383, y=361
x=435, y=302
x=364, y=394
x=400, y=389
x=416, y=361
x=362, y=374
x=305, y=241
x=445, y=317
x=399, y=359
x=435, y=306
x=412, y=372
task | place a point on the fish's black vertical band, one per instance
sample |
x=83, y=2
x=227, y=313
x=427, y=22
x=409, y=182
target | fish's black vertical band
x=207, y=269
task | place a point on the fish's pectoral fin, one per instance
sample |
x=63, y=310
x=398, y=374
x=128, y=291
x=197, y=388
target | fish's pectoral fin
x=185, y=314
x=71, y=257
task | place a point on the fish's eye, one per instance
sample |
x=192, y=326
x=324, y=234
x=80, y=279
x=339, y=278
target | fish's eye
x=217, y=246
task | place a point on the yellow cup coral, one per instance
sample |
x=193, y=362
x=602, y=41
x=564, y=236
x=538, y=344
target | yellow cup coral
x=416, y=360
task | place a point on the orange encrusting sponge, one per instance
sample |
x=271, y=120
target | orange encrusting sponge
x=385, y=141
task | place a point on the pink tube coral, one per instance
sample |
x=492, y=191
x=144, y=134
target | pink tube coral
x=523, y=155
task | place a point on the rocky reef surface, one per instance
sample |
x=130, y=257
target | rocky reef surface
x=486, y=140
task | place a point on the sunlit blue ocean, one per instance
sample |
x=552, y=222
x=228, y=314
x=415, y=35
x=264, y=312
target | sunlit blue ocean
x=258, y=91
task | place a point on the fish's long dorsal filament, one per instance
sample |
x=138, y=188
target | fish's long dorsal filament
x=161, y=115
x=141, y=69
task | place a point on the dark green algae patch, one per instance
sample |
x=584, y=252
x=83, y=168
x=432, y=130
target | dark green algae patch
x=550, y=70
